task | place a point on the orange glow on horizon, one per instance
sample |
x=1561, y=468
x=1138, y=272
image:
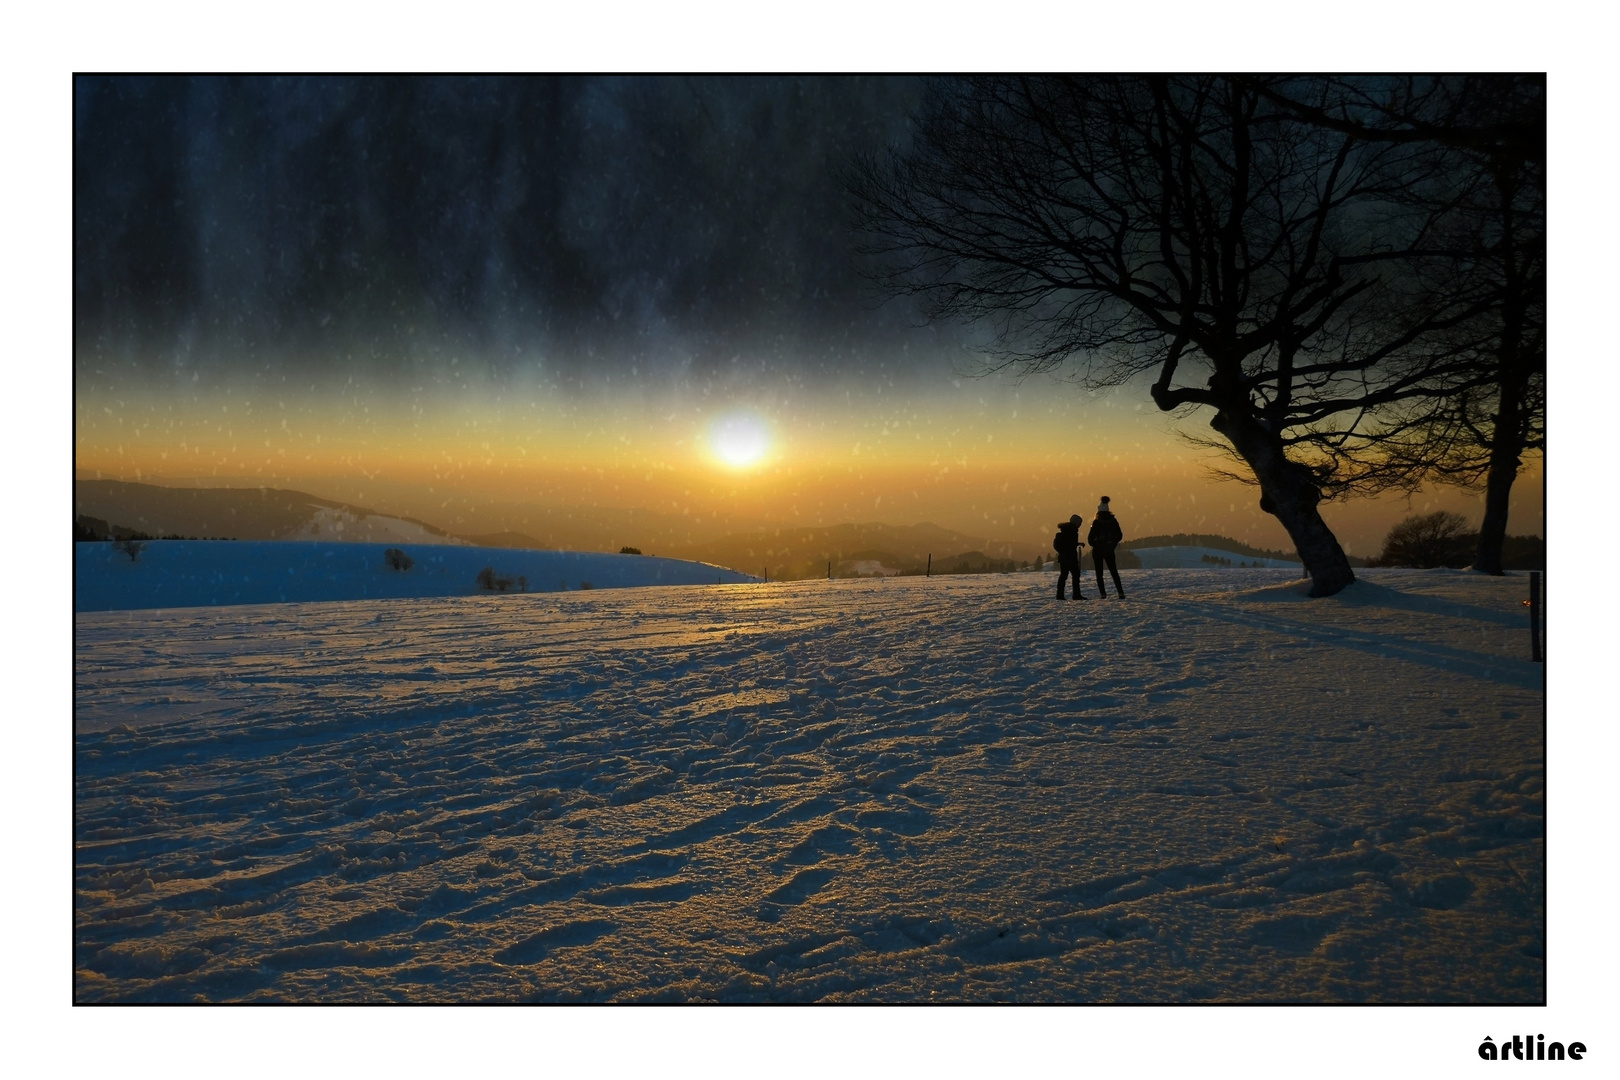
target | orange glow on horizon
x=990, y=460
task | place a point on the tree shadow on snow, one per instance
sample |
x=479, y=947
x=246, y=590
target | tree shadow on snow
x=1369, y=594
x=1385, y=646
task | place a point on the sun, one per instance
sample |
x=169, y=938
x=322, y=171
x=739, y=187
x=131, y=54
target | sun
x=739, y=439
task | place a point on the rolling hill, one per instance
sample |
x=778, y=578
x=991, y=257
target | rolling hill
x=244, y=514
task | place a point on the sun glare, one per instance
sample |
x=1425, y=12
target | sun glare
x=739, y=439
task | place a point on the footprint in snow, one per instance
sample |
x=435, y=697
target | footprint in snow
x=537, y=947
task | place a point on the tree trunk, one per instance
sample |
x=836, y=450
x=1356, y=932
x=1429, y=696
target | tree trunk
x=1512, y=379
x=1506, y=442
x=1288, y=491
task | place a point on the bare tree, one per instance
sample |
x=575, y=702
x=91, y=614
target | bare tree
x=1255, y=261
x=1491, y=131
x=132, y=548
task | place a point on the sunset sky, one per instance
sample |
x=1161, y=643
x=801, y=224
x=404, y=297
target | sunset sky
x=443, y=297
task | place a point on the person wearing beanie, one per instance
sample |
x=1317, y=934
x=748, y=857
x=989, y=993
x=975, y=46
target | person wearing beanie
x=1067, y=545
x=1104, y=536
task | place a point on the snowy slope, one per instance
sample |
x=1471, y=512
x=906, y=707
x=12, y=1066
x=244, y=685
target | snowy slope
x=1192, y=558
x=902, y=789
x=194, y=573
x=337, y=523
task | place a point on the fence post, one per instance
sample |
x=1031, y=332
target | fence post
x=930, y=571
x=1535, y=616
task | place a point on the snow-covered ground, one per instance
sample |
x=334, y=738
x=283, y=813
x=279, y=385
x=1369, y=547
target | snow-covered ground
x=194, y=573
x=903, y=789
x=331, y=523
x=1193, y=558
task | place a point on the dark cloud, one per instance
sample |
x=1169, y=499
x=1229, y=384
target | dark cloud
x=683, y=224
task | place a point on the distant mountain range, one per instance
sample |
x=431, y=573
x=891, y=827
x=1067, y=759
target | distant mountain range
x=791, y=554
x=243, y=514
x=785, y=553
x=852, y=549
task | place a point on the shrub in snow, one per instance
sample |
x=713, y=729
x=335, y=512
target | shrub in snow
x=488, y=580
x=586, y=585
x=1426, y=541
x=132, y=548
x=397, y=559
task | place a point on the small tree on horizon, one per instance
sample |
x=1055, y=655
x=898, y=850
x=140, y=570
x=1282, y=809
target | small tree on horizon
x=1426, y=541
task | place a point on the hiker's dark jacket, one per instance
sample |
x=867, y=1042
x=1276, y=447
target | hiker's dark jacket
x=1067, y=543
x=1105, y=532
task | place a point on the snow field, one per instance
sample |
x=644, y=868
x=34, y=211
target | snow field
x=1192, y=558
x=196, y=573
x=912, y=789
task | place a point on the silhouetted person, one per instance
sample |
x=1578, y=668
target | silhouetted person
x=1067, y=545
x=1104, y=536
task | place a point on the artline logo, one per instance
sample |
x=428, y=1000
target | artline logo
x=1525, y=1051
